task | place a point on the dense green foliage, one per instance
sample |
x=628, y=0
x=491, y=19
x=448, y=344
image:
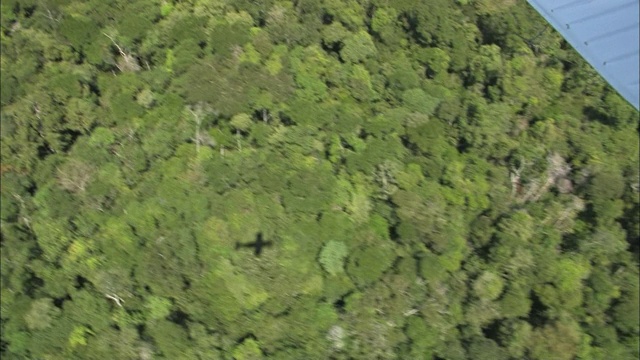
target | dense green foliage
x=316, y=179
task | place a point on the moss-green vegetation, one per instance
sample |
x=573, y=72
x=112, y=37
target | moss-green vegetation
x=313, y=179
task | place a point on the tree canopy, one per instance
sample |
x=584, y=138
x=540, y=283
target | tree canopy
x=313, y=179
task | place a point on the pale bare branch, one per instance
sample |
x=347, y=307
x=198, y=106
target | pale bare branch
x=117, y=299
x=129, y=61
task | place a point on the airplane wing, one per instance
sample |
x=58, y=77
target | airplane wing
x=605, y=33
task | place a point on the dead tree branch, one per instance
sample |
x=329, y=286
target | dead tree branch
x=129, y=62
x=117, y=299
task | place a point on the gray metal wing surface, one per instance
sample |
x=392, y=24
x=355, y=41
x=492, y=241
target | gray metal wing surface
x=606, y=33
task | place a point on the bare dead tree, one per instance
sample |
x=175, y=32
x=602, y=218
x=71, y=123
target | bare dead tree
x=557, y=172
x=38, y=129
x=410, y=312
x=198, y=120
x=336, y=335
x=276, y=14
x=236, y=52
x=563, y=220
x=385, y=176
x=117, y=299
x=52, y=16
x=557, y=169
x=23, y=211
x=75, y=176
x=145, y=352
x=515, y=177
x=128, y=62
x=199, y=111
